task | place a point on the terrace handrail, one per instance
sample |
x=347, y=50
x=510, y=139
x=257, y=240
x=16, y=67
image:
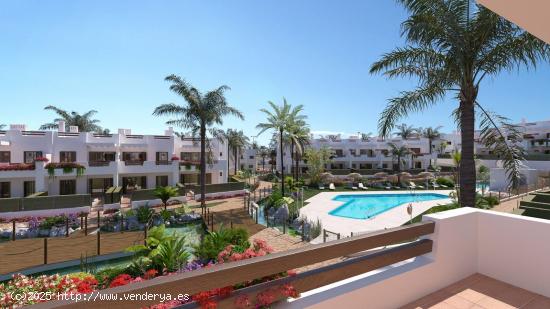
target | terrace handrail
x=246, y=270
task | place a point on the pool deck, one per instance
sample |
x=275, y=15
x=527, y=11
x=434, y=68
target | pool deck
x=321, y=204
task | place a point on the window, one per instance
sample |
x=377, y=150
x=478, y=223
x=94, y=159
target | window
x=134, y=156
x=30, y=156
x=134, y=183
x=67, y=156
x=5, y=189
x=221, y=154
x=251, y=157
x=417, y=164
x=29, y=188
x=250, y=166
x=5, y=157
x=99, y=185
x=162, y=181
x=384, y=165
x=67, y=187
x=190, y=156
x=162, y=156
x=221, y=174
x=101, y=156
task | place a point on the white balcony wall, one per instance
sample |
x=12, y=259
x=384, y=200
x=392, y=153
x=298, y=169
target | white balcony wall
x=510, y=248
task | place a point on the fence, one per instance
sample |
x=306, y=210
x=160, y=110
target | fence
x=229, y=274
x=45, y=202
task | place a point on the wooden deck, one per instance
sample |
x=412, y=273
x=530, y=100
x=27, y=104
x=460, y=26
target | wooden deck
x=24, y=253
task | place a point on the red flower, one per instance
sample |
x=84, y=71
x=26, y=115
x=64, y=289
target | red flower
x=289, y=291
x=210, y=304
x=150, y=274
x=225, y=292
x=242, y=301
x=120, y=280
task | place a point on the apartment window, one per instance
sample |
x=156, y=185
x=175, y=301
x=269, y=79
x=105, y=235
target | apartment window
x=189, y=178
x=5, y=189
x=221, y=154
x=353, y=165
x=251, y=157
x=96, y=156
x=162, y=181
x=162, y=156
x=250, y=166
x=30, y=156
x=67, y=187
x=67, y=156
x=134, y=183
x=384, y=165
x=99, y=185
x=5, y=157
x=134, y=156
x=417, y=164
x=221, y=174
x=29, y=187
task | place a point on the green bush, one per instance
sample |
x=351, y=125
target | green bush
x=445, y=181
x=50, y=222
x=106, y=275
x=491, y=200
x=215, y=242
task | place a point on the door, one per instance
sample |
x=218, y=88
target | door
x=67, y=187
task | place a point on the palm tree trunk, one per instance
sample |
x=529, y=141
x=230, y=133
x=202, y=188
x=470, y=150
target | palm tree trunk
x=282, y=162
x=263, y=164
x=297, y=167
x=203, y=167
x=292, y=158
x=467, y=167
x=235, y=156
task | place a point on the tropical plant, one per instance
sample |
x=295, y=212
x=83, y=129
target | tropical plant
x=199, y=114
x=281, y=119
x=365, y=137
x=215, y=242
x=399, y=154
x=483, y=176
x=298, y=136
x=405, y=131
x=84, y=122
x=161, y=251
x=236, y=141
x=316, y=161
x=452, y=46
x=431, y=134
x=263, y=152
x=165, y=193
x=457, y=161
x=144, y=214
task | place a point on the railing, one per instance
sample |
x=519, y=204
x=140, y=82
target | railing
x=358, y=262
x=163, y=162
x=133, y=162
x=99, y=163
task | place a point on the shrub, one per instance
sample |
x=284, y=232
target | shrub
x=144, y=214
x=491, y=200
x=50, y=222
x=215, y=242
x=445, y=181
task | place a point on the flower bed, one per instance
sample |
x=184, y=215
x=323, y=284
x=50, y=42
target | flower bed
x=67, y=167
x=54, y=226
x=17, y=167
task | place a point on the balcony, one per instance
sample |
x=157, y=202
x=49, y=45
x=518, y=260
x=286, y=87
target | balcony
x=464, y=255
x=133, y=162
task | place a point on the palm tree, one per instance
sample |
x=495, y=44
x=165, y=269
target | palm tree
x=199, y=114
x=84, y=122
x=165, y=193
x=431, y=134
x=281, y=119
x=405, y=131
x=398, y=153
x=236, y=141
x=451, y=47
x=365, y=137
x=298, y=136
x=263, y=152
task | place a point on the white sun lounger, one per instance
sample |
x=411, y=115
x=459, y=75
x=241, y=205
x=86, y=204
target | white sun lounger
x=362, y=187
x=331, y=186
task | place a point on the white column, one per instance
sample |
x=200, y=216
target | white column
x=40, y=177
x=175, y=172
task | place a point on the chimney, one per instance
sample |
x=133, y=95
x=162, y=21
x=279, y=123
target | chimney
x=61, y=126
x=18, y=127
x=169, y=132
x=73, y=129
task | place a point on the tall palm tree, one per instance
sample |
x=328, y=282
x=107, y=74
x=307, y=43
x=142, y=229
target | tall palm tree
x=263, y=152
x=431, y=134
x=405, y=131
x=398, y=153
x=236, y=141
x=84, y=122
x=199, y=114
x=452, y=46
x=280, y=119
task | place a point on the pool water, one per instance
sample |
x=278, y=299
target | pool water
x=369, y=205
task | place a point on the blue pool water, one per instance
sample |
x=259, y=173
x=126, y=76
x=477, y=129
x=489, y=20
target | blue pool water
x=370, y=205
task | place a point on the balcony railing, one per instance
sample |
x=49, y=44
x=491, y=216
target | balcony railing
x=133, y=162
x=358, y=261
x=98, y=163
x=164, y=162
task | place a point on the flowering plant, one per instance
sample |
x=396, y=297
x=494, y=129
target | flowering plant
x=175, y=158
x=41, y=159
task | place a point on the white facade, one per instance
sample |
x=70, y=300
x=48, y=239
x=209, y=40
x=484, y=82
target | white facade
x=123, y=159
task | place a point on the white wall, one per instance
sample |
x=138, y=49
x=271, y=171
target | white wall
x=506, y=247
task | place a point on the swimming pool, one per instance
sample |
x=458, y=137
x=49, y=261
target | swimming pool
x=366, y=206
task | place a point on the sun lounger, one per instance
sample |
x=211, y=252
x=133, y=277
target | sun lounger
x=352, y=186
x=435, y=185
x=361, y=186
x=321, y=187
x=331, y=186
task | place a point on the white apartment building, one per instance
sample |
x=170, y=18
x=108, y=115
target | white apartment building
x=123, y=159
x=368, y=156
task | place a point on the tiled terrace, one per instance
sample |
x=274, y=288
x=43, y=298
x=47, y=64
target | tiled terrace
x=479, y=291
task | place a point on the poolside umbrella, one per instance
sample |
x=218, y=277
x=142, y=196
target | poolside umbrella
x=392, y=178
x=381, y=175
x=426, y=176
x=355, y=177
x=403, y=175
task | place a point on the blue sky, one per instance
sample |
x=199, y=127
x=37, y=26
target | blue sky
x=112, y=56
